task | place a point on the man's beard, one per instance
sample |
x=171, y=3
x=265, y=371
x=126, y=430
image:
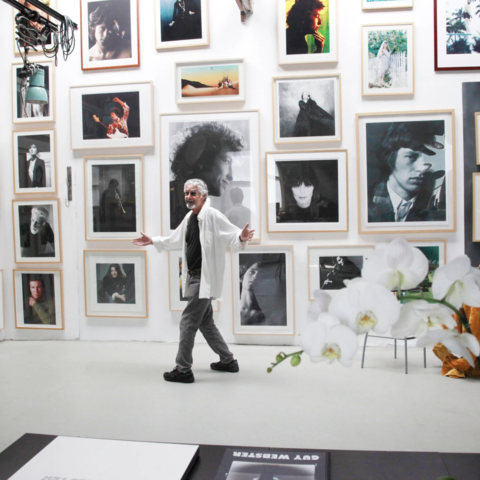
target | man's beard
x=190, y=205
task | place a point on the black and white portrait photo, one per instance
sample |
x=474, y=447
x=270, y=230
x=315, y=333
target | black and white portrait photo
x=38, y=298
x=262, y=280
x=222, y=152
x=115, y=283
x=109, y=34
x=307, y=109
x=34, y=162
x=23, y=111
x=113, y=193
x=335, y=270
x=307, y=191
x=406, y=171
x=111, y=115
x=245, y=470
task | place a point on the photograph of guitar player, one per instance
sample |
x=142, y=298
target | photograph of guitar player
x=114, y=116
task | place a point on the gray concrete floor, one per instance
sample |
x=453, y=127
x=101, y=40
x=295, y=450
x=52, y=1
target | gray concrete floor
x=115, y=390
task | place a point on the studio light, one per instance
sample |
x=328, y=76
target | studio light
x=36, y=92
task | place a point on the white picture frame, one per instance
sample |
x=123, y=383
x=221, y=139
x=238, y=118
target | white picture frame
x=97, y=110
x=269, y=300
x=177, y=302
x=114, y=213
x=386, y=4
x=103, y=296
x=42, y=286
x=37, y=231
x=321, y=206
x=210, y=81
x=28, y=145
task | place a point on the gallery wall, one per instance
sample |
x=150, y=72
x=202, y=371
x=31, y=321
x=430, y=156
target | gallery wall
x=256, y=42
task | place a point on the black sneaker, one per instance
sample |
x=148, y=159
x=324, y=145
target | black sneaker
x=231, y=367
x=177, y=376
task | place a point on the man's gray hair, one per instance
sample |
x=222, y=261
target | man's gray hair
x=42, y=211
x=200, y=184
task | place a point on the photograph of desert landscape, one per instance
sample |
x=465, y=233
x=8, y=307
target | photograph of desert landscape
x=210, y=80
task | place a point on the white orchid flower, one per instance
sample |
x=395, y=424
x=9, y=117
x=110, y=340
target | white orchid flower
x=398, y=266
x=327, y=340
x=460, y=344
x=458, y=283
x=323, y=299
x=418, y=317
x=365, y=306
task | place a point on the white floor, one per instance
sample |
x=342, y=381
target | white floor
x=116, y=390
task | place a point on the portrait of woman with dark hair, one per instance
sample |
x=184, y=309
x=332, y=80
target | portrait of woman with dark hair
x=112, y=287
x=250, y=311
x=312, y=120
x=303, y=21
x=304, y=194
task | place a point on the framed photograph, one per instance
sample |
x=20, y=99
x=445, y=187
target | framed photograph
x=406, y=172
x=329, y=267
x=262, y=283
x=2, y=315
x=114, y=197
x=477, y=136
x=116, y=283
x=210, y=81
x=110, y=36
x=307, y=109
x=34, y=161
x=49, y=44
x=386, y=4
x=181, y=23
x=177, y=301
x=457, y=35
x=23, y=112
x=305, y=36
x=387, y=59
x=223, y=149
x=307, y=191
x=38, y=299
x=37, y=232
x=476, y=206
x=109, y=116
x=436, y=253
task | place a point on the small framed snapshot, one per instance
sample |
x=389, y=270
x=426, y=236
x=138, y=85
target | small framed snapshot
x=38, y=299
x=476, y=206
x=210, y=81
x=37, y=232
x=330, y=266
x=109, y=116
x=114, y=206
x=223, y=149
x=34, y=161
x=406, y=172
x=386, y=4
x=477, y=136
x=26, y=112
x=2, y=315
x=110, y=34
x=181, y=23
x=307, y=191
x=388, y=59
x=307, y=109
x=263, y=291
x=456, y=35
x=177, y=301
x=116, y=283
x=436, y=253
x=38, y=26
x=307, y=31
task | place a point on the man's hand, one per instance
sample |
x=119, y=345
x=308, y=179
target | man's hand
x=32, y=301
x=142, y=241
x=246, y=234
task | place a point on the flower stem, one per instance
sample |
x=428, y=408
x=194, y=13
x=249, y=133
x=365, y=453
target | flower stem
x=281, y=357
x=462, y=317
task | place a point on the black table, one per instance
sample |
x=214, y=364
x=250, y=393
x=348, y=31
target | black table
x=345, y=464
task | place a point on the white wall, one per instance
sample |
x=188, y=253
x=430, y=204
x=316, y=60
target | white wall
x=256, y=42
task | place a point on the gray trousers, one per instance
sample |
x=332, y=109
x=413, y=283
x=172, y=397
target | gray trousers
x=198, y=314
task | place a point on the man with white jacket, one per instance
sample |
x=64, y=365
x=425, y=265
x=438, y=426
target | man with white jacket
x=203, y=237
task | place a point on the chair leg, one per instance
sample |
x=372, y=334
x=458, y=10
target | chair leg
x=406, y=357
x=364, y=346
x=424, y=358
x=395, y=349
